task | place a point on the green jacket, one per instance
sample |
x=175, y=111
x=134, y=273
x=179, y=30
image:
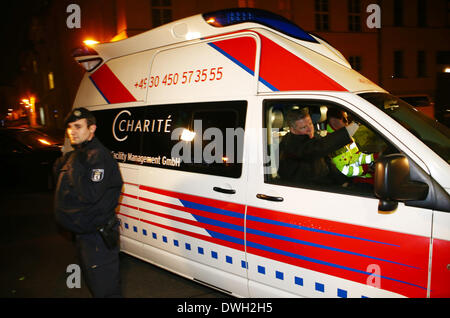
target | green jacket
x=349, y=160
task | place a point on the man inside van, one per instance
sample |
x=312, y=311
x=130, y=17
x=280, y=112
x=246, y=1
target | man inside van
x=87, y=193
x=304, y=155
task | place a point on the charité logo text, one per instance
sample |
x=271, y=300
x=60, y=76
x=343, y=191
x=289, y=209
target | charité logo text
x=124, y=124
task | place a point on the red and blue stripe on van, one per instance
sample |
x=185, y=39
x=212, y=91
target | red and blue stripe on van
x=110, y=87
x=279, y=70
x=334, y=248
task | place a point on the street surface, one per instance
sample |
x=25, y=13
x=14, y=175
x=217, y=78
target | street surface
x=35, y=254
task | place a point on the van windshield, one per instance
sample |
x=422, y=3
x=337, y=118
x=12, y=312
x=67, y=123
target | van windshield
x=432, y=133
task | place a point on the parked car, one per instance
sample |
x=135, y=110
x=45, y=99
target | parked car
x=26, y=158
x=422, y=103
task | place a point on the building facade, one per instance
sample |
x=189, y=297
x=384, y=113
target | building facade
x=401, y=45
x=415, y=45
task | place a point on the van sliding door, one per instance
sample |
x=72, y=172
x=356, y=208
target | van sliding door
x=192, y=191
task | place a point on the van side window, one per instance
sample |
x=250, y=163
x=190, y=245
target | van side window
x=217, y=147
x=206, y=137
x=196, y=137
x=304, y=147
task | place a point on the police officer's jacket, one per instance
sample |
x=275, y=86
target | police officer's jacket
x=88, y=187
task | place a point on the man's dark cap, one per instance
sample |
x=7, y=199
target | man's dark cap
x=80, y=113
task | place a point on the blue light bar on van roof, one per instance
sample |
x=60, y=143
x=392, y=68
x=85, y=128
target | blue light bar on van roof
x=83, y=51
x=228, y=17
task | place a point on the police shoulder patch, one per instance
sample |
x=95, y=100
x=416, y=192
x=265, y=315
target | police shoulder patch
x=97, y=175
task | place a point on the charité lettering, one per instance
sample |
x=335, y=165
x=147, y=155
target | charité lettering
x=124, y=123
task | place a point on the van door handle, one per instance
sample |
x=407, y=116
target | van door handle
x=269, y=198
x=222, y=190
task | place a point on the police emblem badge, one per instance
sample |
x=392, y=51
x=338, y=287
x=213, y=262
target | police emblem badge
x=97, y=175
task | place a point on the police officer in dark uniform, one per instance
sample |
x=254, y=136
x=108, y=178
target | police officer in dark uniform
x=89, y=184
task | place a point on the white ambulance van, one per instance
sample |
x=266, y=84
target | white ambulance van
x=194, y=112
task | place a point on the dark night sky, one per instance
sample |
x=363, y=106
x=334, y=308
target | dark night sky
x=15, y=18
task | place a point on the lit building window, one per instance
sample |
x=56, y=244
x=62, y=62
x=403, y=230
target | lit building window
x=42, y=115
x=51, y=81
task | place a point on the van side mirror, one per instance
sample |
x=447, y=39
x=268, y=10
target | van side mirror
x=393, y=183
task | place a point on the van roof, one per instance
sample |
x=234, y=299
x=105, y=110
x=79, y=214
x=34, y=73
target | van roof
x=210, y=24
x=287, y=39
